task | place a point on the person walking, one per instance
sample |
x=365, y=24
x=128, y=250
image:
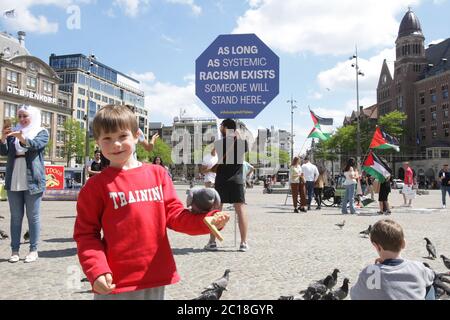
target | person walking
x=318, y=188
x=351, y=176
x=407, y=191
x=295, y=177
x=25, y=176
x=311, y=174
x=444, y=176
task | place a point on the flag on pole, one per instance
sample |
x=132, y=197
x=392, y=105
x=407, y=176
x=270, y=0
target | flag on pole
x=376, y=167
x=323, y=127
x=382, y=140
x=10, y=13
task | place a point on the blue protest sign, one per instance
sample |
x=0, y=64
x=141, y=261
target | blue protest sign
x=237, y=76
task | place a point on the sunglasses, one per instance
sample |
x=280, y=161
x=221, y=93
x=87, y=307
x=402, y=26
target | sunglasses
x=22, y=117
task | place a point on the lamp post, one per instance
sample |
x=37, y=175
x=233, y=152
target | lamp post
x=86, y=116
x=292, y=101
x=358, y=111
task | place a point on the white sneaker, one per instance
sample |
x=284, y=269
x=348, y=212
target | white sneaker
x=14, y=257
x=31, y=257
x=443, y=206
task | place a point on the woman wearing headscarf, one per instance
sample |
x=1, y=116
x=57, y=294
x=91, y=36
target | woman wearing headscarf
x=25, y=176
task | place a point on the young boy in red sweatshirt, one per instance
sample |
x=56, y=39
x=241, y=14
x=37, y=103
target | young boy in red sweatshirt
x=132, y=204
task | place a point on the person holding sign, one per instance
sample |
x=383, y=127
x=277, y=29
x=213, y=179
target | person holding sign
x=25, y=175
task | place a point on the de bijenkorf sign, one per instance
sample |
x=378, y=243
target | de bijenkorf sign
x=237, y=76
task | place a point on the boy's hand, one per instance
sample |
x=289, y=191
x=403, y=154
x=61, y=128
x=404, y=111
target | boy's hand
x=220, y=219
x=103, y=284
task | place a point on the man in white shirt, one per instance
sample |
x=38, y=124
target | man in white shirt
x=311, y=174
x=209, y=161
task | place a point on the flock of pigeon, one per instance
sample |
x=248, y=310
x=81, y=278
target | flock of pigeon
x=322, y=289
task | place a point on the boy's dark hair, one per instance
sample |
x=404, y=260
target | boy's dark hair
x=229, y=124
x=112, y=118
x=388, y=234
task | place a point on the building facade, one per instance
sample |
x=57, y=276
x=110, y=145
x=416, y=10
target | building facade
x=419, y=88
x=94, y=85
x=25, y=79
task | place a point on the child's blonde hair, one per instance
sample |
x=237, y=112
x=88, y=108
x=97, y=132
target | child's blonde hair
x=112, y=118
x=388, y=234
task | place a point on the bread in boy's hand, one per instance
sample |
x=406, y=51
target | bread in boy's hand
x=216, y=222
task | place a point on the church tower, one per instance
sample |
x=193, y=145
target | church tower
x=410, y=63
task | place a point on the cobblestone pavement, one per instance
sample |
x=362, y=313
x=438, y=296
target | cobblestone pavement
x=287, y=250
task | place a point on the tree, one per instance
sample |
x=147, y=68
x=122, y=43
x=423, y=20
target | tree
x=74, y=139
x=160, y=149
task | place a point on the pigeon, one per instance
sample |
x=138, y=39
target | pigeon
x=211, y=294
x=3, y=235
x=329, y=296
x=430, y=248
x=340, y=225
x=291, y=298
x=317, y=288
x=366, y=232
x=26, y=236
x=446, y=261
x=441, y=285
x=203, y=200
x=332, y=282
x=221, y=282
x=2, y=217
x=342, y=292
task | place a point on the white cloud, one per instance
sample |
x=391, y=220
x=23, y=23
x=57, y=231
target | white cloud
x=323, y=26
x=164, y=100
x=343, y=76
x=131, y=7
x=196, y=10
x=25, y=20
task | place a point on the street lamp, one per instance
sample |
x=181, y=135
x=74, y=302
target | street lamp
x=292, y=101
x=86, y=116
x=358, y=128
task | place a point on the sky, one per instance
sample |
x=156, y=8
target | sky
x=158, y=41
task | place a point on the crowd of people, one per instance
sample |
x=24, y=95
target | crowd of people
x=135, y=261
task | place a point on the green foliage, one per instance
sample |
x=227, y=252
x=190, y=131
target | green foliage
x=162, y=150
x=74, y=139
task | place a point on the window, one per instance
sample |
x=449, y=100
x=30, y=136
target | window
x=423, y=135
x=430, y=154
x=62, y=103
x=445, y=91
x=446, y=133
x=31, y=82
x=445, y=110
x=422, y=97
x=111, y=101
x=10, y=110
x=12, y=76
x=445, y=154
x=417, y=68
x=105, y=99
x=60, y=136
x=400, y=103
x=433, y=95
x=59, y=152
x=433, y=115
x=46, y=118
x=422, y=115
x=60, y=120
x=48, y=87
x=82, y=91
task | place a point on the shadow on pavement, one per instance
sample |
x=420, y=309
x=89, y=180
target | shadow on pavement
x=60, y=240
x=58, y=253
x=183, y=251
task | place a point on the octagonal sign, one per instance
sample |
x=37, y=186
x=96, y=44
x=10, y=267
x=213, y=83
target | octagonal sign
x=237, y=76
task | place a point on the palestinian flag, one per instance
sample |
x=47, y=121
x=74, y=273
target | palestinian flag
x=376, y=167
x=382, y=140
x=323, y=127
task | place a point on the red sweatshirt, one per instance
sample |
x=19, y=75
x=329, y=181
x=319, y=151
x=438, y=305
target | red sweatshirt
x=133, y=208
